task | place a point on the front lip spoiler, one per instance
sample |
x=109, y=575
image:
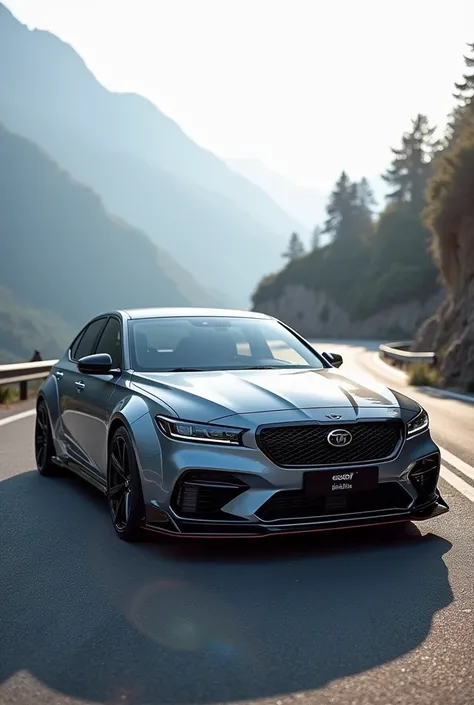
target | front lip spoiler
x=184, y=528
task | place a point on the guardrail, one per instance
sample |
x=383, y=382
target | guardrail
x=401, y=355
x=24, y=372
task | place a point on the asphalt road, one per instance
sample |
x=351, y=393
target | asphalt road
x=382, y=616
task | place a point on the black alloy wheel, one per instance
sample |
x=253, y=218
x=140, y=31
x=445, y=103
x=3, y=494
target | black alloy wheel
x=44, y=446
x=124, y=488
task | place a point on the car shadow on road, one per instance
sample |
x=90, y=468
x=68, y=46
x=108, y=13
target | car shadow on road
x=174, y=621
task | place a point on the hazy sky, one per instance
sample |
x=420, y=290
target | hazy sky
x=308, y=86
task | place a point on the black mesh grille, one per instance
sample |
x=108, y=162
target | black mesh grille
x=201, y=495
x=295, y=504
x=307, y=445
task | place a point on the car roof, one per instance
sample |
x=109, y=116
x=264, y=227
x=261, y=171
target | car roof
x=190, y=312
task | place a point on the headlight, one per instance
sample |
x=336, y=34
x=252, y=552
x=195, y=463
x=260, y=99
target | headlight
x=420, y=423
x=200, y=432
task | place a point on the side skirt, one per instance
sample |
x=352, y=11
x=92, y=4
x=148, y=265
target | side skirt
x=93, y=479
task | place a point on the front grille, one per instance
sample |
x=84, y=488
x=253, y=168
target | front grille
x=307, y=445
x=295, y=504
x=424, y=477
x=201, y=494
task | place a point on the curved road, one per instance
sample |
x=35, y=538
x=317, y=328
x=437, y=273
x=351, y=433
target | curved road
x=372, y=617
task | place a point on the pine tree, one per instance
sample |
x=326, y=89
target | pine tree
x=463, y=113
x=364, y=203
x=339, y=208
x=295, y=248
x=365, y=195
x=410, y=167
x=349, y=220
x=316, y=237
x=465, y=88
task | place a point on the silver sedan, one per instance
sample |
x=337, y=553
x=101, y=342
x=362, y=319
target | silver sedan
x=199, y=422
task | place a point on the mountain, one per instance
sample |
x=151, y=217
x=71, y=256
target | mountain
x=24, y=330
x=63, y=253
x=223, y=228
x=301, y=202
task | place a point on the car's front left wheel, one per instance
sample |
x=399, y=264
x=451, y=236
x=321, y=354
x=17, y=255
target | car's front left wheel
x=44, y=445
x=124, y=487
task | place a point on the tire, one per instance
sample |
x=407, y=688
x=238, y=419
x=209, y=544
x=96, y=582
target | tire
x=44, y=446
x=125, y=495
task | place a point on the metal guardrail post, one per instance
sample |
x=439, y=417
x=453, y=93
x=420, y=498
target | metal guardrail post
x=23, y=390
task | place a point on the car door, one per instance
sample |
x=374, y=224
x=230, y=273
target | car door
x=69, y=399
x=95, y=400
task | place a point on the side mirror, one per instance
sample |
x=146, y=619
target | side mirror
x=99, y=364
x=334, y=358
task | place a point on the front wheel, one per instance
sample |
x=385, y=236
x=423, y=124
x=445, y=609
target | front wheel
x=124, y=488
x=44, y=446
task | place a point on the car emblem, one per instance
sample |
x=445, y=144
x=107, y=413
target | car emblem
x=334, y=417
x=339, y=438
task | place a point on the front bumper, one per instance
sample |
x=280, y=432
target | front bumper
x=199, y=491
x=165, y=523
x=209, y=503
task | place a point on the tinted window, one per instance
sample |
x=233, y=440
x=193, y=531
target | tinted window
x=111, y=341
x=86, y=344
x=216, y=343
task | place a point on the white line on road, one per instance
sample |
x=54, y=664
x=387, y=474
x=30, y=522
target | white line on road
x=457, y=463
x=432, y=391
x=457, y=483
x=17, y=417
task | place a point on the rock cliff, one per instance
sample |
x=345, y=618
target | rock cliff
x=450, y=331
x=314, y=314
x=450, y=215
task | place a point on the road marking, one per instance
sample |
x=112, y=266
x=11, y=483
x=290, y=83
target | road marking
x=17, y=417
x=457, y=483
x=432, y=391
x=457, y=463
x=447, y=394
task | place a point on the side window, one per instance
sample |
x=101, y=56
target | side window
x=75, y=344
x=88, y=339
x=111, y=341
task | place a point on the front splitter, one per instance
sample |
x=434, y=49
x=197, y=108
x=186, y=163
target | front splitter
x=198, y=529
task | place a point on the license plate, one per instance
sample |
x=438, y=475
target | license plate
x=339, y=482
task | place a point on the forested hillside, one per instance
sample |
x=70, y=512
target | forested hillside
x=371, y=263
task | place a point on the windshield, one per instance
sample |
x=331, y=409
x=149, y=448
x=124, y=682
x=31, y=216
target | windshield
x=214, y=343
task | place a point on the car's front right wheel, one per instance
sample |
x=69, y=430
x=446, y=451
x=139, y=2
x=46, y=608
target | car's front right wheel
x=124, y=487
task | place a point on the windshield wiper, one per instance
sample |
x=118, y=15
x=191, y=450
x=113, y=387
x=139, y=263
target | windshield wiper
x=266, y=367
x=185, y=369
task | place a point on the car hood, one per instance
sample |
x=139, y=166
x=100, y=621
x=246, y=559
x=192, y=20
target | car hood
x=207, y=396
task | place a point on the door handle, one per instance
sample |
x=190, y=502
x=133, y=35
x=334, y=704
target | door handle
x=80, y=385
x=59, y=375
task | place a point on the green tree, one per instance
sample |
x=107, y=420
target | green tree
x=463, y=112
x=364, y=203
x=450, y=202
x=316, y=237
x=349, y=220
x=295, y=248
x=338, y=209
x=365, y=196
x=410, y=168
